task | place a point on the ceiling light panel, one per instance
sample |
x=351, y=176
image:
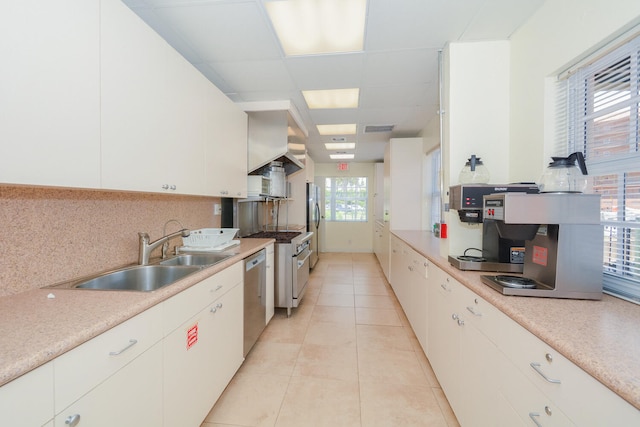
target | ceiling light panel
x=332, y=98
x=341, y=156
x=340, y=145
x=342, y=129
x=318, y=26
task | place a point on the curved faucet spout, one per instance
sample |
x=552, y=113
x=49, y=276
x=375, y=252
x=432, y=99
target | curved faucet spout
x=146, y=248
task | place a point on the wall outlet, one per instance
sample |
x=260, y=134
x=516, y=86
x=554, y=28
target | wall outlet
x=217, y=210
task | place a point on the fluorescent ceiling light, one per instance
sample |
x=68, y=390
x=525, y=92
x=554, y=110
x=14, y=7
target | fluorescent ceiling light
x=340, y=145
x=333, y=98
x=318, y=26
x=341, y=156
x=344, y=129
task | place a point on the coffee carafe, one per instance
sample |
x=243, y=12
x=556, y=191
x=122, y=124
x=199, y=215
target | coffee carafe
x=564, y=176
x=474, y=172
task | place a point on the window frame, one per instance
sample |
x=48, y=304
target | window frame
x=333, y=199
x=594, y=96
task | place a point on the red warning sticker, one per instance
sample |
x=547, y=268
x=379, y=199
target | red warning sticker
x=540, y=255
x=192, y=336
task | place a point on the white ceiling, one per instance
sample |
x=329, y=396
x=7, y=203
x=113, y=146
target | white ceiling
x=233, y=44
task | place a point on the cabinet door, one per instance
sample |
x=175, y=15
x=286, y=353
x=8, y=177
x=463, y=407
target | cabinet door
x=405, y=179
x=479, y=373
x=132, y=397
x=153, y=125
x=50, y=86
x=228, y=338
x=269, y=300
x=28, y=400
x=419, y=298
x=444, y=350
x=200, y=357
x=225, y=146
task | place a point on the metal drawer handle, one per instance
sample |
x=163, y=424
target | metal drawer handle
x=536, y=367
x=128, y=346
x=473, y=311
x=72, y=420
x=534, y=416
x=444, y=286
x=460, y=322
x=217, y=288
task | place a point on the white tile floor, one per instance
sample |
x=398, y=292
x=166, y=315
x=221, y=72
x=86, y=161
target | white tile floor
x=345, y=357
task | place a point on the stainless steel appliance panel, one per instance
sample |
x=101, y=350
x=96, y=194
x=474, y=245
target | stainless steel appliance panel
x=300, y=272
x=313, y=221
x=255, y=282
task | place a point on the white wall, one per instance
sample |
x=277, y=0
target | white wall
x=347, y=236
x=476, y=121
x=561, y=32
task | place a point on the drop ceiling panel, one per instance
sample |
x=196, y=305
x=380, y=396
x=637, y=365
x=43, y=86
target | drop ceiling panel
x=395, y=96
x=322, y=117
x=400, y=67
x=417, y=23
x=500, y=18
x=224, y=31
x=252, y=76
x=327, y=71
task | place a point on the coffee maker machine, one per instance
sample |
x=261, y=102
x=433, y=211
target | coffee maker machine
x=563, y=243
x=498, y=253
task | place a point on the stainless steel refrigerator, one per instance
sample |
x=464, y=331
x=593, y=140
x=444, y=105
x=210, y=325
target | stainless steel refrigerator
x=313, y=220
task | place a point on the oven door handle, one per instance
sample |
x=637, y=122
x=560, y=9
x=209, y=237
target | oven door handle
x=302, y=261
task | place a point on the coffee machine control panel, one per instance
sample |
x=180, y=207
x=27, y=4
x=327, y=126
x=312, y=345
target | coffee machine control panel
x=494, y=209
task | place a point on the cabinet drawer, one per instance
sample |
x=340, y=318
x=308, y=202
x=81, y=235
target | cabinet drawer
x=484, y=316
x=531, y=405
x=182, y=306
x=28, y=400
x=81, y=369
x=130, y=398
x=584, y=399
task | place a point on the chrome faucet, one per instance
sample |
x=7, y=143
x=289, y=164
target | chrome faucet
x=165, y=246
x=146, y=248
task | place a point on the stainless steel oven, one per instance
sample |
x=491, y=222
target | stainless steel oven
x=300, y=271
x=292, y=258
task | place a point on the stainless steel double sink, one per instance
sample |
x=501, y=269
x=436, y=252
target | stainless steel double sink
x=146, y=278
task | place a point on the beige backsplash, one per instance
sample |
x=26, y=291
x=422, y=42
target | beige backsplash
x=52, y=235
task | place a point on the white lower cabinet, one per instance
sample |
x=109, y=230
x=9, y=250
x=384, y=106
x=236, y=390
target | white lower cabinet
x=408, y=277
x=496, y=373
x=131, y=397
x=200, y=358
x=17, y=398
x=584, y=400
x=270, y=299
x=202, y=346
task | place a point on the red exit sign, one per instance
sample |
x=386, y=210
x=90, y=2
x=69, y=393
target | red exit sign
x=343, y=166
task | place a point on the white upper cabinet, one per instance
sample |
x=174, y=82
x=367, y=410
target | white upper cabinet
x=50, y=93
x=225, y=146
x=152, y=137
x=403, y=168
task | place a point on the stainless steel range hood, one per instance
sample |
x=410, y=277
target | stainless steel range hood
x=274, y=135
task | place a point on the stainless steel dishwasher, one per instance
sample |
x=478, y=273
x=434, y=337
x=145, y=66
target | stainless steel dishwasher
x=255, y=283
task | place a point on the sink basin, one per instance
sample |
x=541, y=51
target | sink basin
x=196, y=259
x=143, y=278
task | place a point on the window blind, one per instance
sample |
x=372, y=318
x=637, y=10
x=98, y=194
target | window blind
x=598, y=114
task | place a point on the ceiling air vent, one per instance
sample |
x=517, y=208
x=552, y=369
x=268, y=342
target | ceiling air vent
x=339, y=139
x=378, y=128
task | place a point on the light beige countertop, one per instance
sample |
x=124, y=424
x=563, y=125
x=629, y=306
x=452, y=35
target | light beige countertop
x=601, y=337
x=35, y=328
